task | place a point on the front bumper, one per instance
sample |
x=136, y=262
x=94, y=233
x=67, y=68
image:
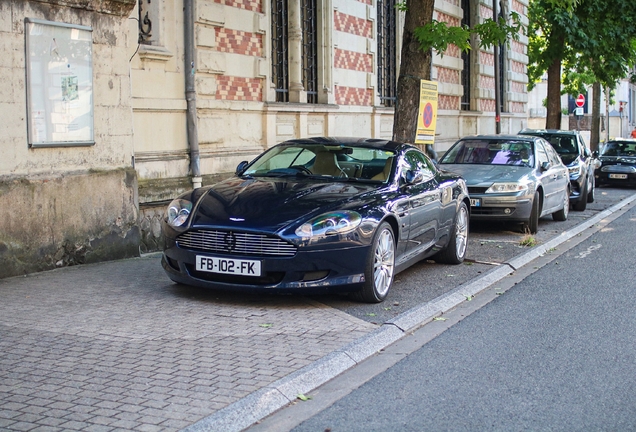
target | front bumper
x=500, y=207
x=616, y=174
x=316, y=271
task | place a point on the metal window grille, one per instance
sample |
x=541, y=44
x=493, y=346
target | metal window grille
x=280, y=65
x=502, y=63
x=466, y=70
x=145, y=24
x=310, y=49
x=387, y=59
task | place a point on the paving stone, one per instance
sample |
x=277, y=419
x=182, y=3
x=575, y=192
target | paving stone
x=142, y=354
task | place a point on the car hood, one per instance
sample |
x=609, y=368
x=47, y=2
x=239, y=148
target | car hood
x=569, y=158
x=270, y=204
x=618, y=159
x=486, y=175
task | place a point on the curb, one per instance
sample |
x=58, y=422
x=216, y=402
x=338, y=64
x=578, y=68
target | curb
x=258, y=405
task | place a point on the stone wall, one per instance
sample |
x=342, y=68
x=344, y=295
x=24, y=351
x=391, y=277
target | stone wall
x=68, y=205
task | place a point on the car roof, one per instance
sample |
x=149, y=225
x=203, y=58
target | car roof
x=548, y=131
x=501, y=137
x=377, y=143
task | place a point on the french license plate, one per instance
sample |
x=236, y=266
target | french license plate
x=475, y=202
x=618, y=176
x=228, y=266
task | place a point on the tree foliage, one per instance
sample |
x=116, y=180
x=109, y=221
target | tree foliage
x=578, y=46
x=422, y=34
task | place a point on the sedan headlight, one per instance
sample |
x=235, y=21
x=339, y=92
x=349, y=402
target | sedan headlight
x=332, y=223
x=575, y=169
x=507, y=187
x=178, y=212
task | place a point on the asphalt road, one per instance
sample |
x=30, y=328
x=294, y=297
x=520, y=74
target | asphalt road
x=554, y=350
x=490, y=243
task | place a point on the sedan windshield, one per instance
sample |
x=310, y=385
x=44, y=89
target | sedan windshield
x=331, y=161
x=619, y=148
x=490, y=152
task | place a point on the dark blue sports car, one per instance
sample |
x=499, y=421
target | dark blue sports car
x=318, y=215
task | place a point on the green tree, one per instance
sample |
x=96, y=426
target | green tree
x=593, y=42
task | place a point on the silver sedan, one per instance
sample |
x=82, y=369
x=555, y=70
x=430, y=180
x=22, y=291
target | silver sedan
x=512, y=178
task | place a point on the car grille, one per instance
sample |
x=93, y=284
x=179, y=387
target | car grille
x=230, y=242
x=476, y=190
x=619, y=169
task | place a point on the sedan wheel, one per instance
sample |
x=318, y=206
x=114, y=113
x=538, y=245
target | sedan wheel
x=455, y=251
x=532, y=224
x=562, y=215
x=380, y=267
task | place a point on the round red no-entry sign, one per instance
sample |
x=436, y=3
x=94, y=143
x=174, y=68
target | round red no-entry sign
x=580, y=100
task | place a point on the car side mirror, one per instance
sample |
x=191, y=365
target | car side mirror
x=240, y=168
x=414, y=177
x=545, y=166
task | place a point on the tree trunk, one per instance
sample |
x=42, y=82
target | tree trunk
x=414, y=65
x=595, y=133
x=553, y=119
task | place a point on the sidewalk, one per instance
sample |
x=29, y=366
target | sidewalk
x=118, y=346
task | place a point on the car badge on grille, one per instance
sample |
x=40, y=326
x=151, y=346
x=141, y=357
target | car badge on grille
x=230, y=241
x=236, y=219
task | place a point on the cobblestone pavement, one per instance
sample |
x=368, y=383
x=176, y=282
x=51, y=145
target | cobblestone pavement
x=117, y=346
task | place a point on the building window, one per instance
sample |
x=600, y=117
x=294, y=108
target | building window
x=310, y=49
x=387, y=58
x=465, y=75
x=280, y=47
x=295, y=81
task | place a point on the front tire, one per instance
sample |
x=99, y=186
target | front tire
x=532, y=224
x=455, y=250
x=380, y=267
x=590, y=193
x=581, y=204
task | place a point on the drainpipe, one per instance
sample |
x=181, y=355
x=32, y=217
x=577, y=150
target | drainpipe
x=190, y=93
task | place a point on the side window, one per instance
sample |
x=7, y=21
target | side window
x=554, y=157
x=542, y=156
x=416, y=161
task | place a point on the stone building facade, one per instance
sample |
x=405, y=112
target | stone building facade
x=186, y=89
x=67, y=204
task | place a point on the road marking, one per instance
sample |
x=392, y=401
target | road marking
x=588, y=251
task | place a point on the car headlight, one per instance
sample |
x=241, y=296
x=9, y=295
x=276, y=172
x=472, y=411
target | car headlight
x=507, y=187
x=178, y=212
x=575, y=169
x=332, y=223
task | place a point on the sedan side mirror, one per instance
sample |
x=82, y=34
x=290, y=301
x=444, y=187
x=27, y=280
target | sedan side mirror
x=545, y=166
x=414, y=177
x=241, y=167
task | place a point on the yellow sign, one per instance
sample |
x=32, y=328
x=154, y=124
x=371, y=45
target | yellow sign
x=427, y=117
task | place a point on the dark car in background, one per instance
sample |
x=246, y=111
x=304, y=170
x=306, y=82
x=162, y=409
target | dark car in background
x=511, y=178
x=318, y=215
x=617, y=163
x=577, y=157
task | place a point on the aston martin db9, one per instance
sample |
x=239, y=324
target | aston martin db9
x=318, y=215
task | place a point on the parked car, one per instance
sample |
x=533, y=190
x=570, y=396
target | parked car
x=577, y=157
x=511, y=177
x=316, y=215
x=618, y=163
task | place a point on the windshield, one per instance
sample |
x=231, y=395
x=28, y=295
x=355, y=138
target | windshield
x=618, y=148
x=331, y=161
x=490, y=152
x=563, y=144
